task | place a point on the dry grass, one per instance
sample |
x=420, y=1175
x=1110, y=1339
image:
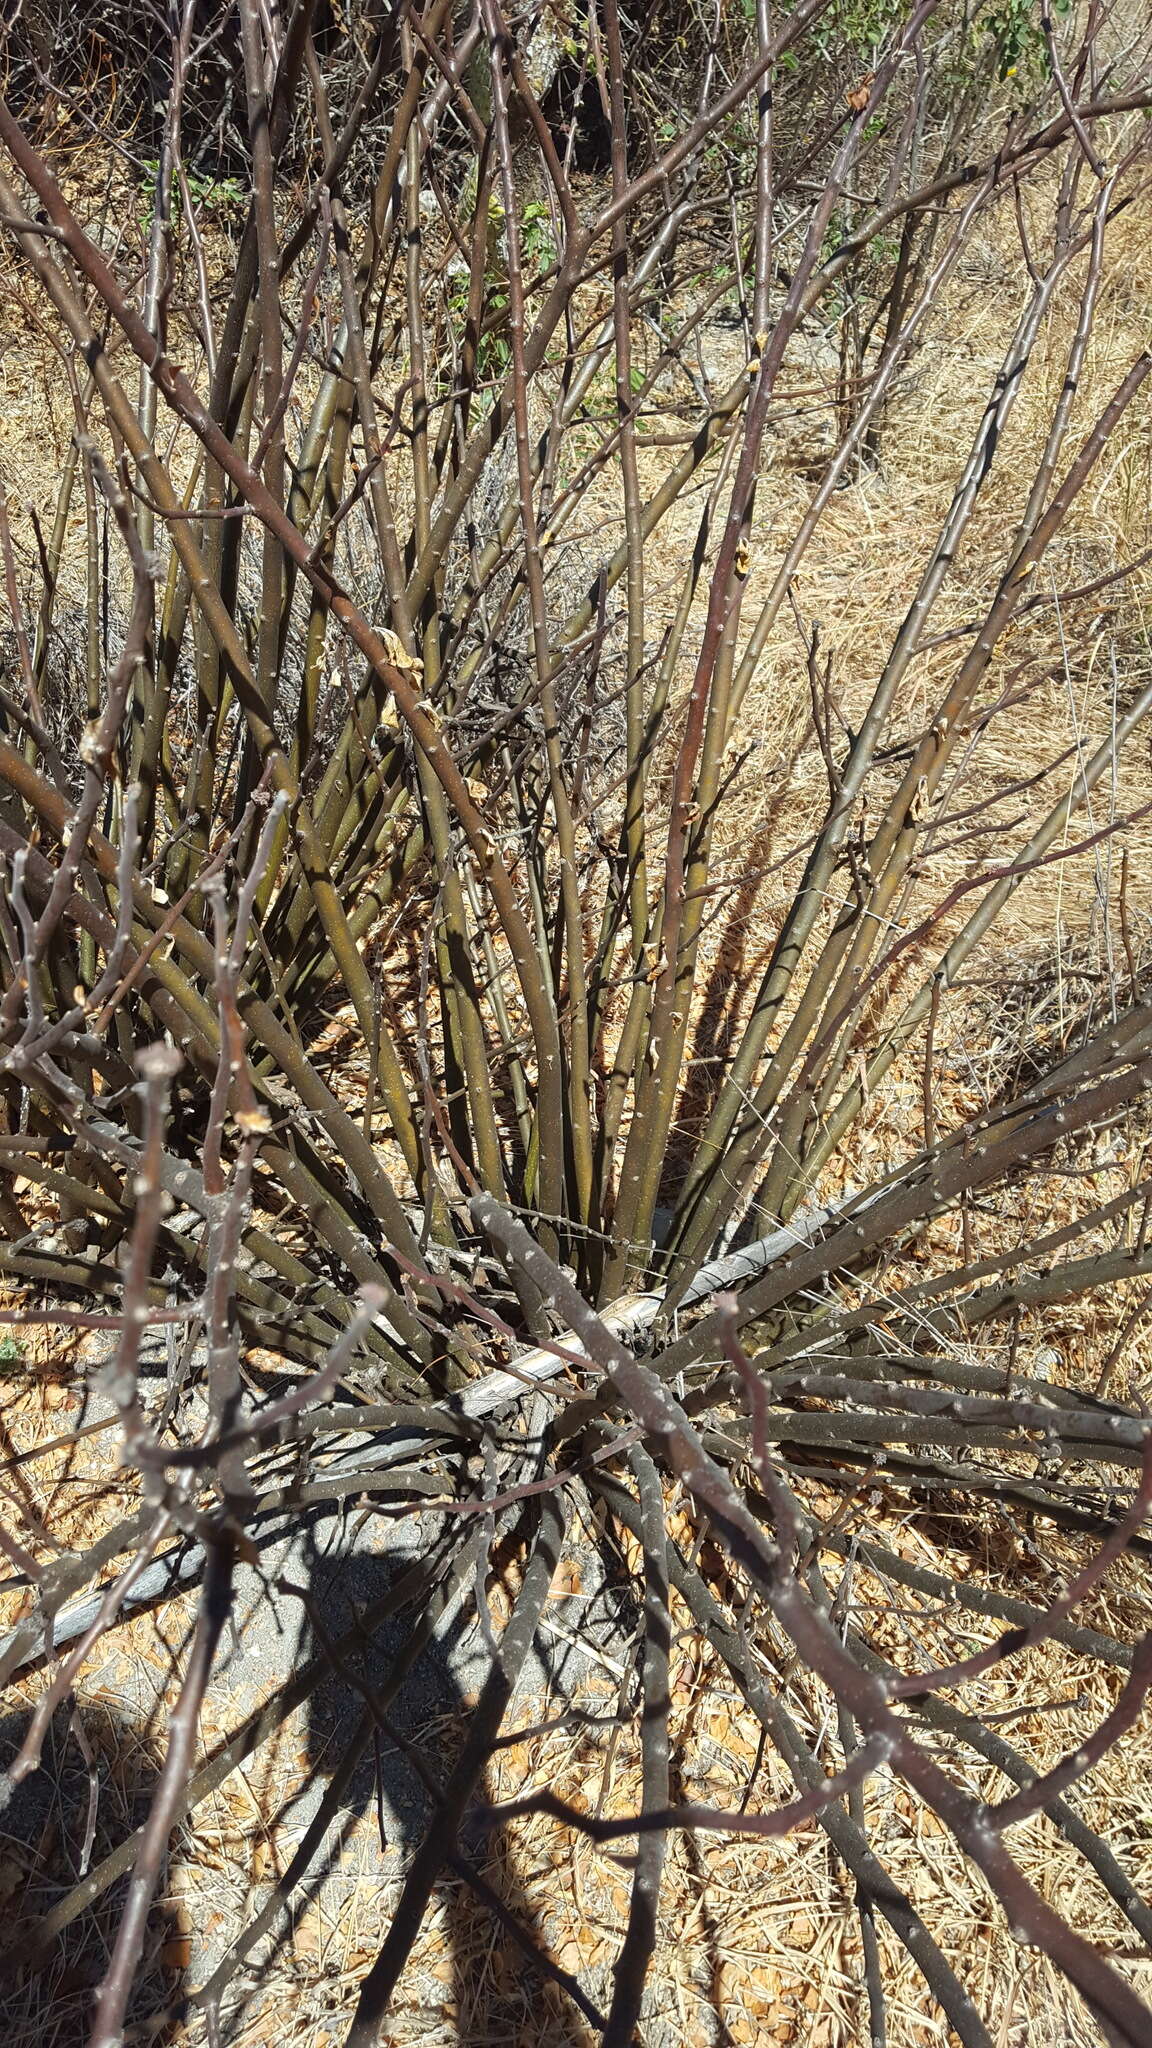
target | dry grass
x=856, y=580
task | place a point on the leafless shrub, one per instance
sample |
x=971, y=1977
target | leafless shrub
x=376, y=988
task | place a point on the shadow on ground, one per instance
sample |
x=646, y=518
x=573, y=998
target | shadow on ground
x=366, y=1806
